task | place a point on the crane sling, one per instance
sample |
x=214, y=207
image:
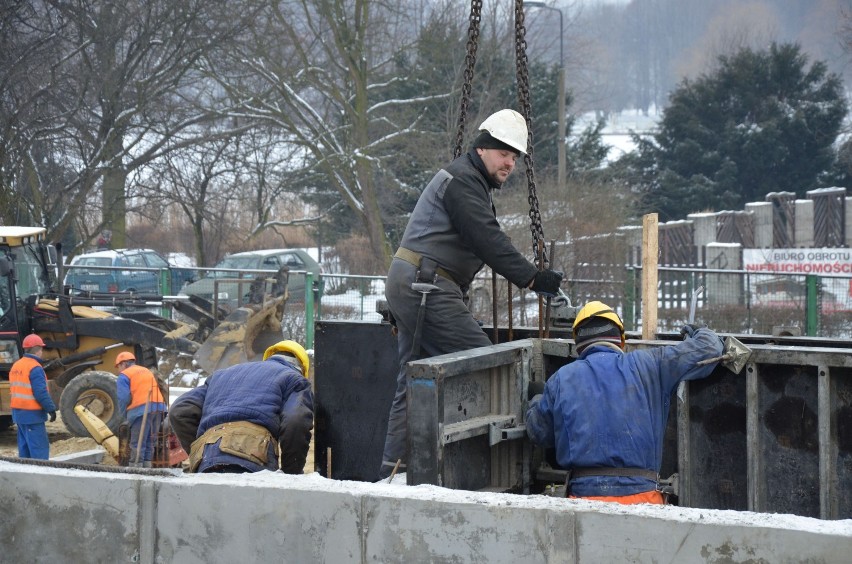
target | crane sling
x=238, y=438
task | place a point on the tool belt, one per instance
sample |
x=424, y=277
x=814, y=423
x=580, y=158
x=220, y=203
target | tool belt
x=575, y=473
x=427, y=269
x=239, y=438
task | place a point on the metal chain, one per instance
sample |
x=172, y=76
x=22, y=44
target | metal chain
x=469, y=63
x=526, y=111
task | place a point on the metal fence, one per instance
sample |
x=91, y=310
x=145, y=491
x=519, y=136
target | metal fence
x=732, y=301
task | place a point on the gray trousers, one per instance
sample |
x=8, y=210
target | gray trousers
x=447, y=327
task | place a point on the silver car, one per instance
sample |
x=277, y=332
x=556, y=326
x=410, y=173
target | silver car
x=236, y=265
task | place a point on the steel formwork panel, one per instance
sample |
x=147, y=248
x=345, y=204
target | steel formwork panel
x=737, y=441
x=776, y=438
x=457, y=405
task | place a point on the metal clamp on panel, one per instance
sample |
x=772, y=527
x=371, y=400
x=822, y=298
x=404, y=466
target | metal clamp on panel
x=498, y=432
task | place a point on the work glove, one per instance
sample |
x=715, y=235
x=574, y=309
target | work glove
x=534, y=388
x=52, y=416
x=546, y=282
x=688, y=330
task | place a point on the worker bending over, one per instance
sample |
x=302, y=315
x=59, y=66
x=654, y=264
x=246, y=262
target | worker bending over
x=606, y=412
x=141, y=403
x=244, y=417
x=31, y=402
x=451, y=233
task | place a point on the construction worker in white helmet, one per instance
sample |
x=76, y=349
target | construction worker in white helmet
x=452, y=232
x=250, y=417
x=606, y=412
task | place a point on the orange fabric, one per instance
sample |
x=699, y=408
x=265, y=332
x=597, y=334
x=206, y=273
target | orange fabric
x=19, y=384
x=652, y=496
x=142, y=381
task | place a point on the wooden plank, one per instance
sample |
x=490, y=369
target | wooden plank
x=650, y=254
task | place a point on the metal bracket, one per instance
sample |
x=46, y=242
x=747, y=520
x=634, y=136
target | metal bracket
x=497, y=432
x=671, y=485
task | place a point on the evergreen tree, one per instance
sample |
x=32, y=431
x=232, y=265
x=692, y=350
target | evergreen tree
x=763, y=121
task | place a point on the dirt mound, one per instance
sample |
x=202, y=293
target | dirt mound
x=79, y=444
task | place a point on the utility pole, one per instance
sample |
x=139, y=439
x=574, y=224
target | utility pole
x=560, y=105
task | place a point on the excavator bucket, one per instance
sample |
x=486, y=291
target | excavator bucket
x=243, y=335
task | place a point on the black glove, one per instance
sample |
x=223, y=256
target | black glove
x=546, y=282
x=688, y=330
x=52, y=416
x=534, y=388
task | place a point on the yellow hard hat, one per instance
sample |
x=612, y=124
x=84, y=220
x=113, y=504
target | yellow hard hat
x=597, y=309
x=292, y=348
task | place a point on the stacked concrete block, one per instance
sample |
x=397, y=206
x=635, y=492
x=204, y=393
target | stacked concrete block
x=762, y=213
x=704, y=230
x=804, y=232
x=848, y=221
x=724, y=289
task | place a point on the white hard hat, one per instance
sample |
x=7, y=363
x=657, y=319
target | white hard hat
x=509, y=127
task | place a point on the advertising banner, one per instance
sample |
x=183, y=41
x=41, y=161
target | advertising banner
x=785, y=271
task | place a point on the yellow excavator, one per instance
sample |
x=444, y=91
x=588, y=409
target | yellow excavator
x=83, y=340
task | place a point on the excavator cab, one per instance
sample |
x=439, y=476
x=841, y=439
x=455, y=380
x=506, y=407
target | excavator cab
x=23, y=271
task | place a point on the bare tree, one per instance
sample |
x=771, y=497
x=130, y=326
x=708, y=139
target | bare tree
x=120, y=92
x=31, y=112
x=321, y=86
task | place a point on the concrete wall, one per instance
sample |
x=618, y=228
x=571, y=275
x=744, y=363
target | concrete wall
x=724, y=289
x=64, y=515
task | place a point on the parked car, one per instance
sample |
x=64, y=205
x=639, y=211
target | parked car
x=269, y=260
x=87, y=272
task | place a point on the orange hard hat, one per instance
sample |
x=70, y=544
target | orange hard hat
x=124, y=355
x=31, y=341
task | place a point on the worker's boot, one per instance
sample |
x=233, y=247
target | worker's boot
x=146, y=464
x=136, y=465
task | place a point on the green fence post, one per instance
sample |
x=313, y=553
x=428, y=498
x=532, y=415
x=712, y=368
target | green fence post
x=309, y=310
x=318, y=294
x=361, y=291
x=812, y=312
x=166, y=286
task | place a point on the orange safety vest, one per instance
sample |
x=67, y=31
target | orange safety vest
x=20, y=387
x=142, y=381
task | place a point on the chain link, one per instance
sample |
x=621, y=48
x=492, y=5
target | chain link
x=526, y=110
x=469, y=64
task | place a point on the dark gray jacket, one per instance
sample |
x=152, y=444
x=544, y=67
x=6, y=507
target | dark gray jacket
x=455, y=224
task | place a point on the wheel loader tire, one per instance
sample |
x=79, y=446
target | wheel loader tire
x=97, y=392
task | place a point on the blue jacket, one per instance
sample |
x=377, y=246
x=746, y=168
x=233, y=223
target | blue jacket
x=38, y=381
x=271, y=393
x=609, y=409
